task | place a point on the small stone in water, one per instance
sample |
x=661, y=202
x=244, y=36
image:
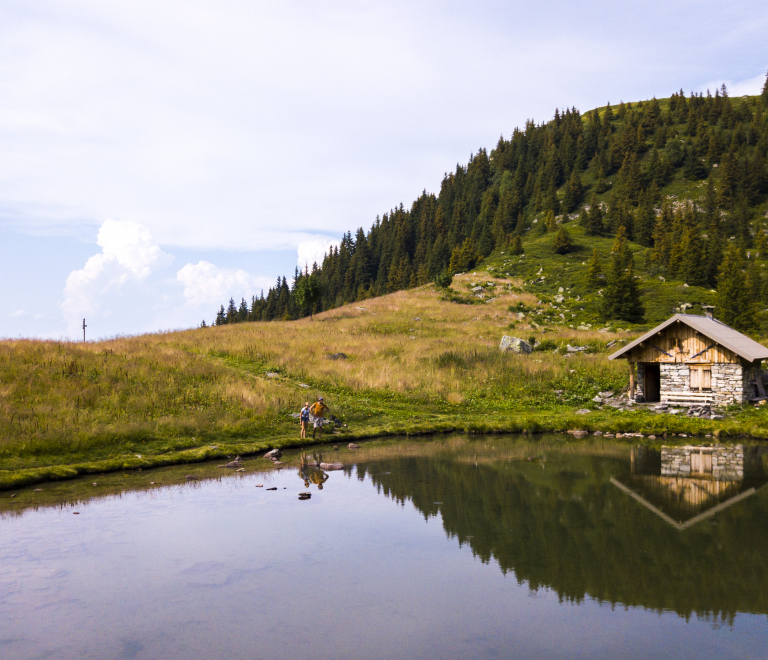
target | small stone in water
x=75, y=513
x=273, y=488
x=151, y=483
x=352, y=445
x=14, y=495
x=38, y=490
x=94, y=484
x=259, y=485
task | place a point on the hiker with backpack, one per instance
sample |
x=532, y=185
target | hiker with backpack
x=317, y=416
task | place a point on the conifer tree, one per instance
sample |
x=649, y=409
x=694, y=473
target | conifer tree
x=693, y=168
x=621, y=296
x=602, y=184
x=693, y=267
x=714, y=253
x=485, y=245
x=645, y=220
x=761, y=243
x=755, y=284
x=595, y=276
x=308, y=293
x=231, y=311
x=562, y=243
x=764, y=95
x=733, y=302
x=594, y=225
x=520, y=226
x=574, y=191
x=662, y=235
x=516, y=245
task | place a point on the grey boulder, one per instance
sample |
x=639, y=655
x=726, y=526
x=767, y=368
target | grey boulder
x=515, y=345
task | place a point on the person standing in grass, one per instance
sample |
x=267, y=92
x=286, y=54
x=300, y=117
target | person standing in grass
x=304, y=419
x=317, y=412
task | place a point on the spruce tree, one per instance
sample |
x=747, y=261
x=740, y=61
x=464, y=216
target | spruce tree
x=595, y=276
x=602, y=184
x=594, y=225
x=308, y=293
x=562, y=243
x=761, y=243
x=734, y=307
x=693, y=267
x=231, y=311
x=621, y=296
x=516, y=245
x=645, y=220
x=574, y=191
x=693, y=168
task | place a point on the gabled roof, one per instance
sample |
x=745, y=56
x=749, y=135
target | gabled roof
x=720, y=333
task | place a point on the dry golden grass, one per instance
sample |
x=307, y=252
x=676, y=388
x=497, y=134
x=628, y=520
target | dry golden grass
x=181, y=386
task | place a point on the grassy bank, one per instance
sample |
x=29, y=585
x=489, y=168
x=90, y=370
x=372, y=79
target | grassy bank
x=415, y=363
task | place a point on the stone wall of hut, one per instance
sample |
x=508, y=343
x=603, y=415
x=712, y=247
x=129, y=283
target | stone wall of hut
x=727, y=462
x=731, y=383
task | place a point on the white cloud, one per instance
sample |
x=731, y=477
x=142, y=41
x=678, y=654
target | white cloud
x=207, y=284
x=18, y=314
x=129, y=255
x=311, y=252
x=132, y=246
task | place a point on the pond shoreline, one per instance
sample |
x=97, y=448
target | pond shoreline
x=662, y=426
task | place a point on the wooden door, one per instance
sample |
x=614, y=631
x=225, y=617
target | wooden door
x=701, y=462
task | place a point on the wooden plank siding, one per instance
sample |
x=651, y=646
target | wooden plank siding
x=681, y=343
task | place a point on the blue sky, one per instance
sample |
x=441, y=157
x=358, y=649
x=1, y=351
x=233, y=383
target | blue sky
x=157, y=157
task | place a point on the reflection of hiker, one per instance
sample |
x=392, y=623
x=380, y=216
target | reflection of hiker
x=304, y=470
x=310, y=472
x=318, y=477
x=317, y=412
x=304, y=419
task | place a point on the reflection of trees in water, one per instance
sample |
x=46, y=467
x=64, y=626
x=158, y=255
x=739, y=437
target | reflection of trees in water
x=561, y=525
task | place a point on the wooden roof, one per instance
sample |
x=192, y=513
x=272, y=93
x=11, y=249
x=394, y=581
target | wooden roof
x=718, y=332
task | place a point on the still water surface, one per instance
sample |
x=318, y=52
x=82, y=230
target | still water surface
x=449, y=548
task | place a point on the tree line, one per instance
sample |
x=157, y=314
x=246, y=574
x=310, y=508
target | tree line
x=606, y=169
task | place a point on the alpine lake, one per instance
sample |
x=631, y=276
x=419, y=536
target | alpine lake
x=442, y=547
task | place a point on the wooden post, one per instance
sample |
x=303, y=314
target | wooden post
x=632, y=380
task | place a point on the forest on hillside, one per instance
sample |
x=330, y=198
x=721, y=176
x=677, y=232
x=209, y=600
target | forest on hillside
x=684, y=178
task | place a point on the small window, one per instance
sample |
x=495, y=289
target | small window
x=701, y=378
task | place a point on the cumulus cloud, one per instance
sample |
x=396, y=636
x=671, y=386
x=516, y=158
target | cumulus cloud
x=18, y=314
x=128, y=254
x=311, y=252
x=205, y=283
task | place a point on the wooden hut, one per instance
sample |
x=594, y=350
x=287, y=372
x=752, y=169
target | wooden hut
x=693, y=359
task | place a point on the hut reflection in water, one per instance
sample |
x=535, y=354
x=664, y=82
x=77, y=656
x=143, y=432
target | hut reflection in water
x=686, y=484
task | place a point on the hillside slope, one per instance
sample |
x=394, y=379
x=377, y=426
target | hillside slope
x=685, y=177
